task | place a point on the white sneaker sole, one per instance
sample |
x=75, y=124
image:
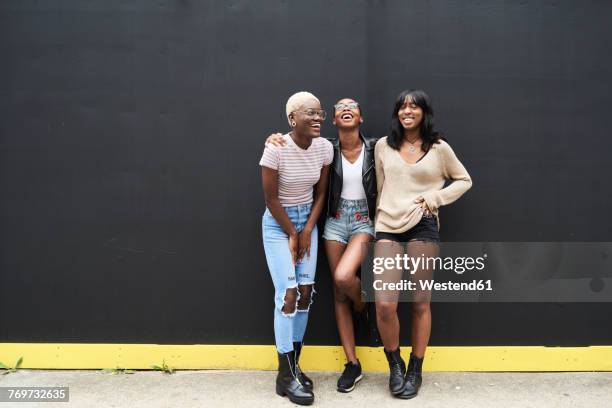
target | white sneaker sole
x=353, y=387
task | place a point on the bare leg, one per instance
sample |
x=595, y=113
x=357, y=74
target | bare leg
x=342, y=306
x=386, y=300
x=345, y=274
x=421, y=327
x=420, y=308
x=347, y=287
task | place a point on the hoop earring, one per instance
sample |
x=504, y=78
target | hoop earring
x=293, y=124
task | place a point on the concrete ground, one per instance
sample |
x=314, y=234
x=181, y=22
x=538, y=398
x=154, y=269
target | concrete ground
x=185, y=389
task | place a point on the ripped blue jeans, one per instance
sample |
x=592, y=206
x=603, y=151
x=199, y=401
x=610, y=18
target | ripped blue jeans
x=293, y=284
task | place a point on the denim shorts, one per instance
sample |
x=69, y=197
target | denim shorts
x=425, y=230
x=351, y=218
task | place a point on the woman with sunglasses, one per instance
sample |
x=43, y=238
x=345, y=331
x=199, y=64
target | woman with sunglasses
x=351, y=208
x=295, y=178
x=412, y=166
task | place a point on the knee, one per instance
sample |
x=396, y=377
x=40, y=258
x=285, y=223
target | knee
x=419, y=309
x=305, y=298
x=343, y=281
x=386, y=310
x=290, y=301
x=339, y=295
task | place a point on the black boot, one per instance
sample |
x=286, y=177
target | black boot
x=412, y=379
x=287, y=383
x=307, y=382
x=397, y=368
x=413, y=374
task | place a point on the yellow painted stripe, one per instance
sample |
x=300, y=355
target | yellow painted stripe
x=324, y=358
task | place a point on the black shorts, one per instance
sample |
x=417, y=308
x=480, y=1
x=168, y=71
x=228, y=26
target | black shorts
x=425, y=230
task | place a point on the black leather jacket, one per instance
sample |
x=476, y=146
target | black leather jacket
x=368, y=177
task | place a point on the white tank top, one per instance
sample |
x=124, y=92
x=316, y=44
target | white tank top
x=352, y=183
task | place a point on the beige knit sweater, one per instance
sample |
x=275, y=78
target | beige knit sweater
x=400, y=183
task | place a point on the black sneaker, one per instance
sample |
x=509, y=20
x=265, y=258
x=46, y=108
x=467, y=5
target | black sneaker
x=350, y=377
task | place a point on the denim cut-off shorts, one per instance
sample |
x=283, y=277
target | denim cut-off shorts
x=351, y=218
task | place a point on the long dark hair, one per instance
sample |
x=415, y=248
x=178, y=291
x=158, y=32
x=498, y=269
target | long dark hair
x=429, y=135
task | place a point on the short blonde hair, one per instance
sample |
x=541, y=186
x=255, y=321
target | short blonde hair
x=297, y=100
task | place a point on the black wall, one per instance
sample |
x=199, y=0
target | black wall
x=130, y=134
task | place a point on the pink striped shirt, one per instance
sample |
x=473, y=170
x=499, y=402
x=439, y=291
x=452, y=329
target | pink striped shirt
x=298, y=169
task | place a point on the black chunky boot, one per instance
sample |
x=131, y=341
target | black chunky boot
x=413, y=378
x=287, y=383
x=307, y=382
x=414, y=372
x=397, y=368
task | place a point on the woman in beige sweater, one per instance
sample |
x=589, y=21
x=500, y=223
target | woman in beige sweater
x=412, y=166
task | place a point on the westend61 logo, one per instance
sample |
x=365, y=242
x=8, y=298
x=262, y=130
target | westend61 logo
x=411, y=264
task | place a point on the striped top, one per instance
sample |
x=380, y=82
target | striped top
x=298, y=169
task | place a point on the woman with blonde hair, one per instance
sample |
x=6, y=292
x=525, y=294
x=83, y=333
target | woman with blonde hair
x=295, y=178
